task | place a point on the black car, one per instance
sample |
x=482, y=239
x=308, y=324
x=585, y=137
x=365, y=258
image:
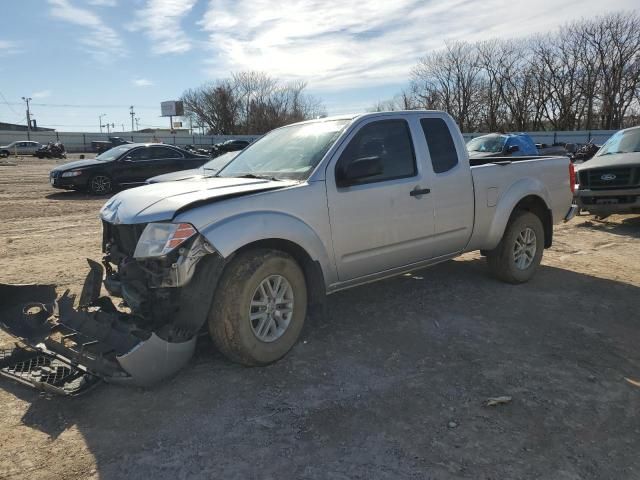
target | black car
x=209, y=169
x=126, y=165
x=228, y=146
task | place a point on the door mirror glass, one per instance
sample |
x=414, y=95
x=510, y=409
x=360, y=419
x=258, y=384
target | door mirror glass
x=360, y=169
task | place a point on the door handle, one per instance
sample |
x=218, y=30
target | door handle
x=418, y=192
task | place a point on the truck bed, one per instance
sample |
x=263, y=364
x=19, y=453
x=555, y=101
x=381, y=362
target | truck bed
x=498, y=183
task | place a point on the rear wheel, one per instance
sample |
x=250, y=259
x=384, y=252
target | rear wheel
x=100, y=185
x=259, y=307
x=517, y=256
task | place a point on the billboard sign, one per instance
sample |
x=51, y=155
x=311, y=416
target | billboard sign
x=172, y=108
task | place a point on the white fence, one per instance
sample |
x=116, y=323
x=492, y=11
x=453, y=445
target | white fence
x=75, y=142
x=81, y=142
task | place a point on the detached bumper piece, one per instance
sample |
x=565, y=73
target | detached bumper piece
x=44, y=371
x=70, y=349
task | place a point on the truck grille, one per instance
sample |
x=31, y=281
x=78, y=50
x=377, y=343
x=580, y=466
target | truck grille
x=125, y=237
x=607, y=178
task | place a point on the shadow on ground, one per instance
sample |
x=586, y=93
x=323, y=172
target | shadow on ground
x=628, y=226
x=391, y=384
x=75, y=195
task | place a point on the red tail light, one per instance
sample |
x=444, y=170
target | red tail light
x=572, y=177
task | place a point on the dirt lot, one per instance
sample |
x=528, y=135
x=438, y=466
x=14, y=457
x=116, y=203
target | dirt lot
x=391, y=384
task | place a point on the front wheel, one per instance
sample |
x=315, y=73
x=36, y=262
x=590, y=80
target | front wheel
x=259, y=307
x=518, y=255
x=100, y=185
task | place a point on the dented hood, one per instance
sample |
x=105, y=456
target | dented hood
x=160, y=201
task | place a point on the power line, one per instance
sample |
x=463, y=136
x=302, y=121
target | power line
x=8, y=104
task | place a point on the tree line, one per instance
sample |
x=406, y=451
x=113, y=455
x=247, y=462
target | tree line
x=249, y=103
x=586, y=75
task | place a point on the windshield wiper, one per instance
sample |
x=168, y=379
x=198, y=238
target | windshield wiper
x=253, y=175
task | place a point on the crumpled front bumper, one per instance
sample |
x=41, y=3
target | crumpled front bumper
x=66, y=349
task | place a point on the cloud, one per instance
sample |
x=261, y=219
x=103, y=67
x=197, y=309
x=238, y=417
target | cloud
x=142, y=82
x=161, y=21
x=335, y=44
x=100, y=40
x=8, y=47
x=103, y=3
x=41, y=94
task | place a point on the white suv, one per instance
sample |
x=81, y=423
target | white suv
x=19, y=148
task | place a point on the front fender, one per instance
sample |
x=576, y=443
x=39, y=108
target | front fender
x=233, y=233
x=508, y=201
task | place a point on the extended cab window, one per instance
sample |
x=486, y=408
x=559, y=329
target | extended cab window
x=441, y=147
x=389, y=140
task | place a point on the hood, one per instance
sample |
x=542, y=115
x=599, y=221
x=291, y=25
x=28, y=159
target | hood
x=611, y=161
x=195, y=173
x=160, y=201
x=78, y=164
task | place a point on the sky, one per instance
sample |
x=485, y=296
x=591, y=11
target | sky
x=79, y=59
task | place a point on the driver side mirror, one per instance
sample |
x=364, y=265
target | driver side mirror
x=360, y=169
x=128, y=158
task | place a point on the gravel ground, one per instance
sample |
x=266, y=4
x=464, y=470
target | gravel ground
x=391, y=384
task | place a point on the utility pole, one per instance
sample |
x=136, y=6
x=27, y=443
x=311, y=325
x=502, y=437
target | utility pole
x=100, y=120
x=110, y=125
x=137, y=125
x=133, y=114
x=27, y=100
x=122, y=126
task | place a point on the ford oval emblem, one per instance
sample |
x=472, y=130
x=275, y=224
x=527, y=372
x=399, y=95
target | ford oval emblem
x=607, y=177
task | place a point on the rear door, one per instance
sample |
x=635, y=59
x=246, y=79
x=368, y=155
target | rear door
x=170, y=159
x=452, y=187
x=385, y=221
x=136, y=164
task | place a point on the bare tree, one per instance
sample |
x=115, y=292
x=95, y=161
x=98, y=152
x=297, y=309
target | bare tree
x=250, y=103
x=585, y=75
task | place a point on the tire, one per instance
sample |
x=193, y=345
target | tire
x=504, y=261
x=4, y=153
x=233, y=328
x=100, y=185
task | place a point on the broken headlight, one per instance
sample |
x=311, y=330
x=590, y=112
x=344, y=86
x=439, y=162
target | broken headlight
x=158, y=239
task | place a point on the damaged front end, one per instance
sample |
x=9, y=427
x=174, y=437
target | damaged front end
x=164, y=273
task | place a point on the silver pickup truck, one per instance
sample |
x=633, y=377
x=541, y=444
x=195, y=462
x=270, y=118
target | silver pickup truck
x=308, y=210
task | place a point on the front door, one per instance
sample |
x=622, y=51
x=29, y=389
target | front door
x=384, y=221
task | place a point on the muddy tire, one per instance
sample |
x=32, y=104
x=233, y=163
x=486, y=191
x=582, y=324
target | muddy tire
x=518, y=255
x=259, y=307
x=100, y=185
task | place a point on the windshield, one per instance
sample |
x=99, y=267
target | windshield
x=622, y=142
x=219, y=162
x=289, y=152
x=489, y=143
x=113, y=153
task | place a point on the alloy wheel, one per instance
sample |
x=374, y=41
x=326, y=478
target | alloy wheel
x=271, y=308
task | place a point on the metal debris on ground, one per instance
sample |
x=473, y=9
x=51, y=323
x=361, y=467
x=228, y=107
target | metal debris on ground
x=493, y=401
